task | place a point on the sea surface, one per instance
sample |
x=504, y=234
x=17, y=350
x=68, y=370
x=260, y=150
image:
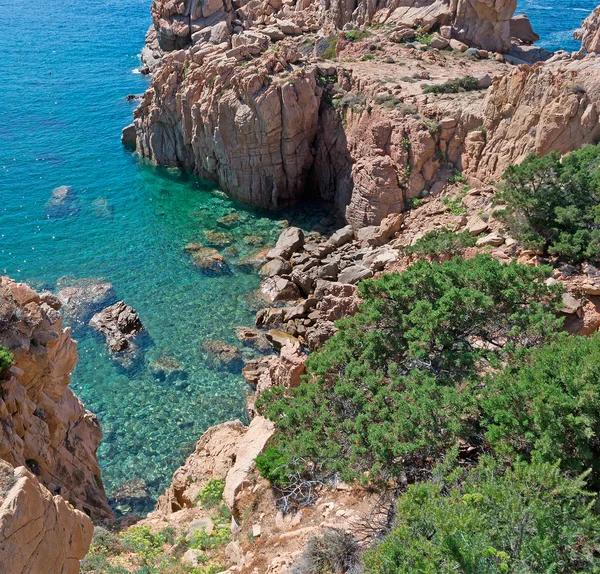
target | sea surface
x=556, y=20
x=67, y=67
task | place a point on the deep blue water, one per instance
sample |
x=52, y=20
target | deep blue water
x=556, y=20
x=67, y=67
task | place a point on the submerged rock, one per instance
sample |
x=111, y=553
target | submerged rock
x=102, y=208
x=207, y=259
x=61, y=202
x=167, y=369
x=222, y=355
x=83, y=297
x=119, y=323
x=253, y=338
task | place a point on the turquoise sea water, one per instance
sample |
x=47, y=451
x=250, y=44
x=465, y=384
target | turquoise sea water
x=67, y=67
x=556, y=20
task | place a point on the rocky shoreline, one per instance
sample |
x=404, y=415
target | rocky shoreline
x=400, y=115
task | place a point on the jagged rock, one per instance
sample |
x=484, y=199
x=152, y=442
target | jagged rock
x=42, y=421
x=213, y=457
x=119, y=323
x=39, y=532
x=279, y=289
x=520, y=28
x=61, y=203
x=270, y=316
x=589, y=33
x=290, y=240
x=319, y=333
x=337, y=300
x=254, y=368
x=476, y=225
x=222, y=354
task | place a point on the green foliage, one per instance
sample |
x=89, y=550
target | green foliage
x=397, y=384
x=202, y=540
x=6, y=359
x=547, y=406
x=440, y=242
x=327, y=47
x=406, y=143
x=458, y=177
x=492, y=520
x=211, y=494
x=455, y=205
x=355, y=35
x=335, y=551
x=142, y=541
x=367, y=57
x=466, y=84
x=423, y=37
x=553, y=204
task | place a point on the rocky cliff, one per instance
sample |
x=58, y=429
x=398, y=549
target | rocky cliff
x=44, y=426
x=251, y=98
x=39, y=532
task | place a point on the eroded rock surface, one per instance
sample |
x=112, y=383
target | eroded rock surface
x=44, y=425
x=119, y=323
x=39, y=532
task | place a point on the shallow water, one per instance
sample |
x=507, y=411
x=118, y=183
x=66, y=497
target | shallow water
x=67, y=67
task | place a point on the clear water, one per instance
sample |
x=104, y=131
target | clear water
x=67, y=67
x=556, y=20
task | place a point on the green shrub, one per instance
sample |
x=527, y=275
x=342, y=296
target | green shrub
x=327, y=47
x=6, y=359
x=491, y=520
x=356, y=35
x=466, y=84
x=441, y=242
x=553, y=204
x=397, y=385
x=143, y=541
x=367, y=57
x=547, y=406
x=202, y=540
x=210, y=496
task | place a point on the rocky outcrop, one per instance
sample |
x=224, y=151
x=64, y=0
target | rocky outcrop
x=243, y=98
x=44, y=425
x=538, y=109
x=39, y=532
x=589, y=33
x=119, y=323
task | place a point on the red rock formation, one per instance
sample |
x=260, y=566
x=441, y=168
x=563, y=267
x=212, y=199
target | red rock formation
x=44, y=425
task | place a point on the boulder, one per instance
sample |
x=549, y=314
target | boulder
x=119, y=323
x=439, y=43
x=279, y=289
x=342, y=236
x=275, y=266
x=128, y=135
x=290, y=240
x=279, y=338
x=589, y=33
x=354, y=274
x=207, y=259
x=253, y=338
x=521, y=29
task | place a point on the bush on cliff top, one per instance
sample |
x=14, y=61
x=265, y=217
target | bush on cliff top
x=397, y=385
x=441, y=242
x=553, y=204
x=490, y=520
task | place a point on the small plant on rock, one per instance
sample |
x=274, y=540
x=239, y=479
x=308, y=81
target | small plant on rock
x=210, y=496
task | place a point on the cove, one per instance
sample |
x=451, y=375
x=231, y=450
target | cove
x=64, y=104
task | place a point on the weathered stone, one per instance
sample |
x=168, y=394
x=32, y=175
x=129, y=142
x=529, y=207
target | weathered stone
x=275, y=266
x=354, y=274
x=279, y=338
x=342, y=236
x=493, y=239
x=290, y=240
x=521, y=29
x=279, y=289
x=119, y=323
x=222, y=354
